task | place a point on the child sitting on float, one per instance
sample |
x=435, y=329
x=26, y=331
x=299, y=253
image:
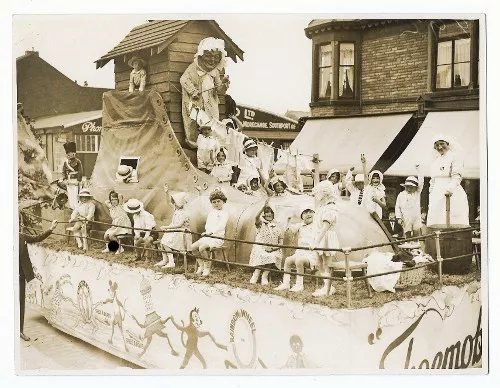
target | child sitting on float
x=302, y=258
x=215, y=226
x=250, y=163
x=254, y=187
x=223, y=170
x=83, y=213
x=278, y=187
x=408, y=205
x=120, y=220
x=175, y=241
x=144, y=227
x=268, y=232
x=208, y=147
x=325, y=219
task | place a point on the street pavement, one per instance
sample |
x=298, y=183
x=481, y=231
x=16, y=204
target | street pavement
x=53, y=350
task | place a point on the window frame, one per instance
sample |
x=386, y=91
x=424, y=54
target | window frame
x=81, y=143
x=453, y=63
x=335, y=94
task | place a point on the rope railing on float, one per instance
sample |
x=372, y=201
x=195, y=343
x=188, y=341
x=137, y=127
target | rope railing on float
x=346, y=251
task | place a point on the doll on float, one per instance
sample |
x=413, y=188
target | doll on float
x=201, y=83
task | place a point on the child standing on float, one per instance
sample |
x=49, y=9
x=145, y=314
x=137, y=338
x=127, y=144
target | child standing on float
x=268, y=232
x=223, y=170
x=208, y=146
x=175, y=241
x=325, y=219
x=215, y=226
x=250, y=163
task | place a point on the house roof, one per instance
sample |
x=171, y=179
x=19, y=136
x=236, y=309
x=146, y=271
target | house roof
x=316, y=26
x=158, y=34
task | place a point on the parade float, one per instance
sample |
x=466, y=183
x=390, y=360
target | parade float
x=170, y=319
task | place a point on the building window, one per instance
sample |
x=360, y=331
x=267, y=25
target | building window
x=87, y=143
x=346, y=70
x=325, y=71
x=453, y=64
x=336, y=71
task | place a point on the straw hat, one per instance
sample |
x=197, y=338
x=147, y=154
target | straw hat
x=410, y=181
x=85, y=193
x=133, y=206
x=136, y=58
x=123, y=172
x=249, y=143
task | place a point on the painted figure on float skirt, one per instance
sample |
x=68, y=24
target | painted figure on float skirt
x=201, y=82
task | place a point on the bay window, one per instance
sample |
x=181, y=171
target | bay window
x=453, y=64
x=325, y=71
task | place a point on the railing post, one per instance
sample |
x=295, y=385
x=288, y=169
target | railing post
x=348, y=278
x=439, y=258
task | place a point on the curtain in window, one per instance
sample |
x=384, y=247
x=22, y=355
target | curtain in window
x=443, y=73
x=346, y=70
x=325, y=74
x=462, y=62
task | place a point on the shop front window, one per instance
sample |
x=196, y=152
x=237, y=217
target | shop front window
x=87, y=143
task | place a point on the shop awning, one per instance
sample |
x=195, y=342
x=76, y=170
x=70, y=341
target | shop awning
x=463, y=126
x=67, y=120
x=339, y=142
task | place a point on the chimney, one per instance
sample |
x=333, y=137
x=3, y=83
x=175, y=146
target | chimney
x=31, y=52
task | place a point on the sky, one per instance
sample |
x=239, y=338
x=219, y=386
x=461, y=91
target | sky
x=275, y=74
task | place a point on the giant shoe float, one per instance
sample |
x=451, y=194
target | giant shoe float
x=169, y=322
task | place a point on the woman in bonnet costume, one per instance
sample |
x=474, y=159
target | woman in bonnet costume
x=446, y=175
x=200, y=84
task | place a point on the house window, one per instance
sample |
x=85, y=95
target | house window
x=325, y=71
x=346, y=70
x=87, y=143
x=453, y=64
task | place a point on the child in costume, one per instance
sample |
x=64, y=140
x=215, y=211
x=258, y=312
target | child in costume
x=254, y=187
x=325, y=219
x=302, y=258
x=175, y=241
x=215, y=226
x=223, y=170
x=120, y=220
x=408, y=205
x=268, y=232
x=82, y=213
x=208, y=147
x=278, y=187
x=72, y=173
x=250, y=163
x=334, y=176
x=375, y=193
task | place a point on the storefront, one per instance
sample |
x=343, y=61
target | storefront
x=84, y=128
x=267, y=127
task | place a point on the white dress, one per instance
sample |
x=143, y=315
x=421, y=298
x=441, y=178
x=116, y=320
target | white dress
x=446, y=173
x=327, y=213
x=176, y=240
x=216, y=226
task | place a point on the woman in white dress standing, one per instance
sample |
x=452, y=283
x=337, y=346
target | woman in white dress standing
x=446, y=174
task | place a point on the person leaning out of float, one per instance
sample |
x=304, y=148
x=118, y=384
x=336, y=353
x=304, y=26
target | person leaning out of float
x=408, y=205
x=254, y=187
x=144, y=227
x=138, y=75
x=72, y=173
x=120, y=220
x=82, y=214
x=126, y=174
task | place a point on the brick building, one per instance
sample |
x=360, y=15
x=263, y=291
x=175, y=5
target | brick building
x=383, y=86
x=60, y=110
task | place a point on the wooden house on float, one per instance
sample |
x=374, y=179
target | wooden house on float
x=168, y=46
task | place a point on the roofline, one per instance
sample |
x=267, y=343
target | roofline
x=405, y=112
x=356, y=24
x=268, y=112
x=101, y=62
